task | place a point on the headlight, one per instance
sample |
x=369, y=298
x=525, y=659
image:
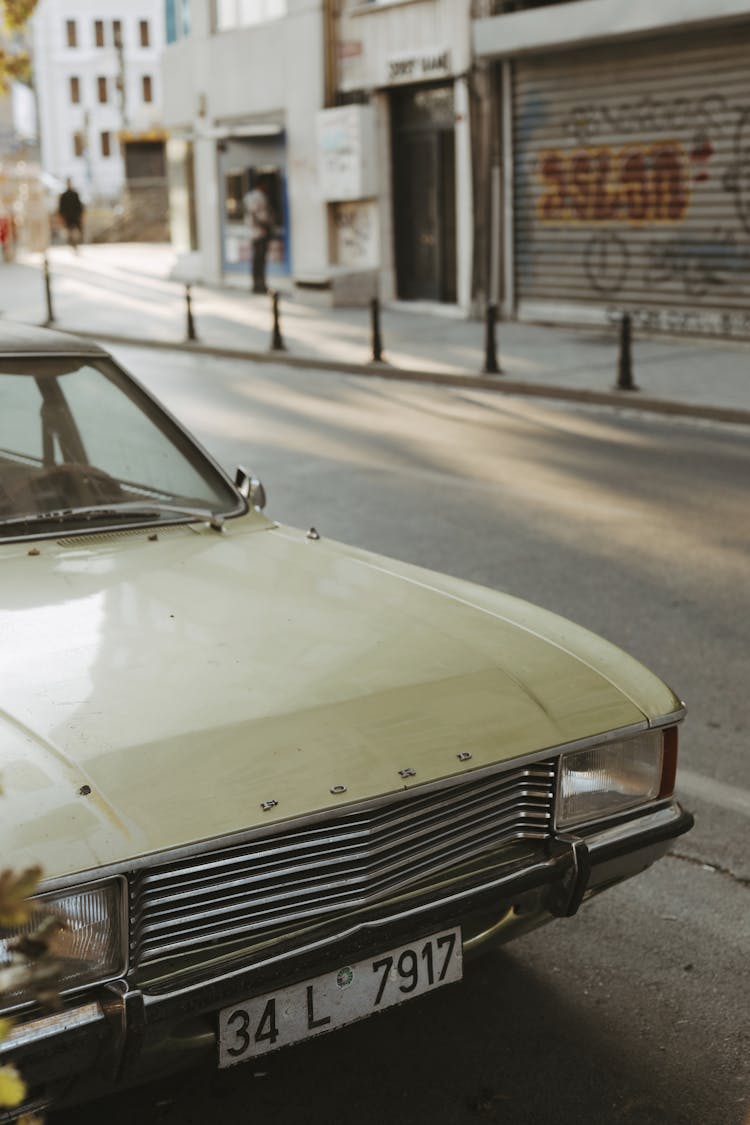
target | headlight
x=88, y=948
x=616, y=777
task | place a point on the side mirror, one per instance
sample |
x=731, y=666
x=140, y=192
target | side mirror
x=251, y=488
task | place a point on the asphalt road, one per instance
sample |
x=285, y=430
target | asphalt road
x=636, y=1010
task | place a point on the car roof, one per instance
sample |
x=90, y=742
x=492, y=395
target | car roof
x=28, y=339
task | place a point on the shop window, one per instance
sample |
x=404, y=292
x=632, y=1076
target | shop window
x=147, y=88
x=101, y=90
x=105, y=140
x=78, y=144
x=99, y=33
x=145, y=33
x=71, y=33
x=75, y=90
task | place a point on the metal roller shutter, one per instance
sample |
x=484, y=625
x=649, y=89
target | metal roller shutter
x=632, y=184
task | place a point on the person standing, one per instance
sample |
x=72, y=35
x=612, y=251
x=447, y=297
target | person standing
x=259, y=220
x=70, y=210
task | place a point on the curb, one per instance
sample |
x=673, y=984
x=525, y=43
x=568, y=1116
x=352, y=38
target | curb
x=629, y=399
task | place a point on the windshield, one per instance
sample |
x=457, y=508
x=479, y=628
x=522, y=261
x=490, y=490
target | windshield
x=81, y=443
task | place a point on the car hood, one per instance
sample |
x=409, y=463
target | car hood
x=157, y=690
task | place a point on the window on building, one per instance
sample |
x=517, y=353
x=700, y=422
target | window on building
x=177, y=21
x=99, y=32
x=105, y=140
x=145, y=33
x=78, y=144
x=147, y=88
x=71, y=33
x=243, y=13
x=117, y=33
x=75, y=89
x=101, y=90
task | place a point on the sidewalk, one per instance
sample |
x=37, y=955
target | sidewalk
x=124, y=293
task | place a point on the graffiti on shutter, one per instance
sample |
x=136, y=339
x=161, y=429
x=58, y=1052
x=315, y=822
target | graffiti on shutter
x=632, y=183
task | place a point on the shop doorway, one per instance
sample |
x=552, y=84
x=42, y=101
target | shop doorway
x=242, y=162
x=424, y=193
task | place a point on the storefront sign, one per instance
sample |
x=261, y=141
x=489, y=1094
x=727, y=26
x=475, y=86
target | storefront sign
x=418, y=66
x=346, y=144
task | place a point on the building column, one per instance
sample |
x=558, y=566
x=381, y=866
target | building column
x=508, y=221
x=464, y=196
x=381, y=102
x=208, y=219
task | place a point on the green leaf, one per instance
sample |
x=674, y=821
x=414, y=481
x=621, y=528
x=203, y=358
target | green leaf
x=15, y=889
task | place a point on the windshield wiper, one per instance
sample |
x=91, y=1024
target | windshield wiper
x=128, y=508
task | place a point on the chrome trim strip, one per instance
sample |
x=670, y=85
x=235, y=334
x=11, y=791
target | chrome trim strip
x=342, y=935
x=151, y=946
x=659, y=818
x=352, y=862
x=363, y=869
x=95, y=352
x=353, y=827
x=202, y=847
x=326, y=855
x=47, y=1027
x=669, y=720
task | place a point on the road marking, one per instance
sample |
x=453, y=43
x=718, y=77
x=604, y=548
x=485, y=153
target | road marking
x=716, y=792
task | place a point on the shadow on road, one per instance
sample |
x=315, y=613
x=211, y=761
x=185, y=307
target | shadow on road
x=504, y=1047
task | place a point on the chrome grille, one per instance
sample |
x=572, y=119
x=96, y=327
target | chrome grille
x=306, y=875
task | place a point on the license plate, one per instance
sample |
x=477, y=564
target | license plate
x=313, y=1007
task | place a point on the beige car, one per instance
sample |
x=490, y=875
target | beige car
x=275, y=783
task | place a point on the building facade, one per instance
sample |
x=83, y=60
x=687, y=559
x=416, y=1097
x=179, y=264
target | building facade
x=356, y=115
x=624, y=162
x=243, y=82
x=409, y=64
x=98, y=87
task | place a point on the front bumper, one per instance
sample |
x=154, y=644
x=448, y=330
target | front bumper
x=120, y=1035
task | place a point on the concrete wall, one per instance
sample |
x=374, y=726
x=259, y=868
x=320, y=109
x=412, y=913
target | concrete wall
x=272, y=72
x=383, y=46
x=370, y=35
x=596, y=21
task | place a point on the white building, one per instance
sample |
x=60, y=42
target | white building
x=410, y=63
x=242, y=85
x=356, y=114
x=98, y=84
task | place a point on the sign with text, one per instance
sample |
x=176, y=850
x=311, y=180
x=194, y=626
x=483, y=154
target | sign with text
x=418, y=66
x=346, y=152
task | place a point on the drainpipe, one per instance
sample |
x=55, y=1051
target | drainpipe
x=330, y=76
x=508, y=217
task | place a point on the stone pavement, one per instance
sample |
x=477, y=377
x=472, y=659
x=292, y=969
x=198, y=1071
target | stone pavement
x=125, y=293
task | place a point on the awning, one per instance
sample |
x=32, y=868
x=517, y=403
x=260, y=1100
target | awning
x=575, y=24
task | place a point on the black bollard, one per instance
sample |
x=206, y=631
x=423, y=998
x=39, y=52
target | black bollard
x=625, y=381
x=191, y=333
x=48, y=293
x=491, y=366
x=277, y=344
x=375, y=336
